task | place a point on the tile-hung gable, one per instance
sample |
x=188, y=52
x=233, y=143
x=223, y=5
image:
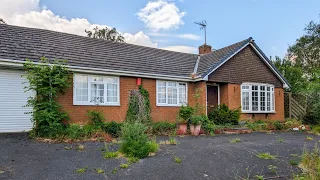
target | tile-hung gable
x=19, y=43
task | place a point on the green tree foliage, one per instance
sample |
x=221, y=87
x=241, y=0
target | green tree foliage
x=292, y=72
x=105, y=34
x=48, y=81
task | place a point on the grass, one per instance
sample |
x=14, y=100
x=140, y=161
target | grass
x=177, y=159
x=115, y=170
x=310, y=163
x=80, y=147
x=124, y=166
x=266, y=156
x=280, y=139
x=133, y=160
x=110, y=155
x=235, y=140
x=293, y=162
x=99, y=170
x=81, y=170
x=309, y=138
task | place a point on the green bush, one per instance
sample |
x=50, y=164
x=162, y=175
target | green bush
x=223, y=115
x=163, y=128
x=186, y=113
x=196, y=120
x=135, y=142
x=316, y=130
x=112, y=128
x=74, y=131
x=278, y=125
x=96, y=117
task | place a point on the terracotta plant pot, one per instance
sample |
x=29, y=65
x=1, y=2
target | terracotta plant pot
x=182, y=128
x=192, y=128
x=197, y=130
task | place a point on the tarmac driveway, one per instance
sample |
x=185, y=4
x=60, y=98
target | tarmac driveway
x=204, y=157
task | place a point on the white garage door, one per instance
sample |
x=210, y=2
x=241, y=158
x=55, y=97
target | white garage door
x=12, y=100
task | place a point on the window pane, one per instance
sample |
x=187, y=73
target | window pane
x=245, y=101
x=272, y=99
x=255, y=100
x=81, y=88
x=97, y=93
x=262, y=100
x=182, y=93
x=161, y=89
x=112, y=91
x=245, y=87
x=268, y=102
x=172, y=95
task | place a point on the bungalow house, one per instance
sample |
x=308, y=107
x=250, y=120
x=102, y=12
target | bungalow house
x=239, y=75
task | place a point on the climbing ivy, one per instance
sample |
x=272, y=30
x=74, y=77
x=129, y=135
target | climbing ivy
x=139, y=107
x=48, y=81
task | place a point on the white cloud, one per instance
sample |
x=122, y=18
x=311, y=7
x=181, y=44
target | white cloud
x=28, y=13
x=185, y=49
x=161, y=15
x=181, y=36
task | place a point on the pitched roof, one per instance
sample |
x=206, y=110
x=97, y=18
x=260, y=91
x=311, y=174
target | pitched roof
x=211, y=60
x=20, y=43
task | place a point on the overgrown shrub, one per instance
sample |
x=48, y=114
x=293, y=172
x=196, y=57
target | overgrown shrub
x=292, y=123
x=186, y=113
x=316, y=130
x=163, y=128
x=139, y=107
x=278, y=125
x=135, y=142
x=310, y=163
x=48, y=81
x=112, y=128
x=197, y=120
x=223, y=115
x=96, y=117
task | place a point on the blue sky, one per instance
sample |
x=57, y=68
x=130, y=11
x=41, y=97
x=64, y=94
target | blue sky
x=273, y=24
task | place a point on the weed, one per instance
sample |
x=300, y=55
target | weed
x=171, y=141
x=81, y=170
x=68, y=148
x=266, y=156
x=133, y=159
x=153, y=146
x=259, y=177
x=109, y=155
x=280, y=139
x=99, y=170
x=80, y=147
x=115, y=170
x=235, y=140
x=124, y=166
x=294, y=155
x=273, y=168
x=177, y=159
x=309, y=138
x=310, y=163
x=293, y=162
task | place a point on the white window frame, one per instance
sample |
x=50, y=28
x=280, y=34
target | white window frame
x=88, y=102
x=272, y=98
x=166, y=104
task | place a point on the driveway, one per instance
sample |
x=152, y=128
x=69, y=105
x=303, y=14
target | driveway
x=204, y=157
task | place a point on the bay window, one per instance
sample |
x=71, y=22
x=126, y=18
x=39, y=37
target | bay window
x=257, y=98
x=96, y=90
x=171, y=93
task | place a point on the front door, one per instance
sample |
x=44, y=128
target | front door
x=212, y=97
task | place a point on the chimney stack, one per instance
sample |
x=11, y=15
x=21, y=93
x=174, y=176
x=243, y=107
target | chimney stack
x=205, y=49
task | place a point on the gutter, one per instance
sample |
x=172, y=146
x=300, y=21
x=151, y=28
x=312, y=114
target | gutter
x=19, y=63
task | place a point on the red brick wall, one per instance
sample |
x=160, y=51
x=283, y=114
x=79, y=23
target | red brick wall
x=78, y=114
x=230, y=94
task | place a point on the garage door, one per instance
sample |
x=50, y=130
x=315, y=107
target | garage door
x=12, y=100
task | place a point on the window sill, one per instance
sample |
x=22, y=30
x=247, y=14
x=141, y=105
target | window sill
x=77, y=104
x=258, y=112
x=169, y=105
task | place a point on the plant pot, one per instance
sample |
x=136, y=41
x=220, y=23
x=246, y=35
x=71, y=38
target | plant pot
x=197, y=130
x=192, y=128
x=182, y=128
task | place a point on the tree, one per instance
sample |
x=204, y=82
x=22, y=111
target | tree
x=2, y=21
x=292, y=72
x=105, y=34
